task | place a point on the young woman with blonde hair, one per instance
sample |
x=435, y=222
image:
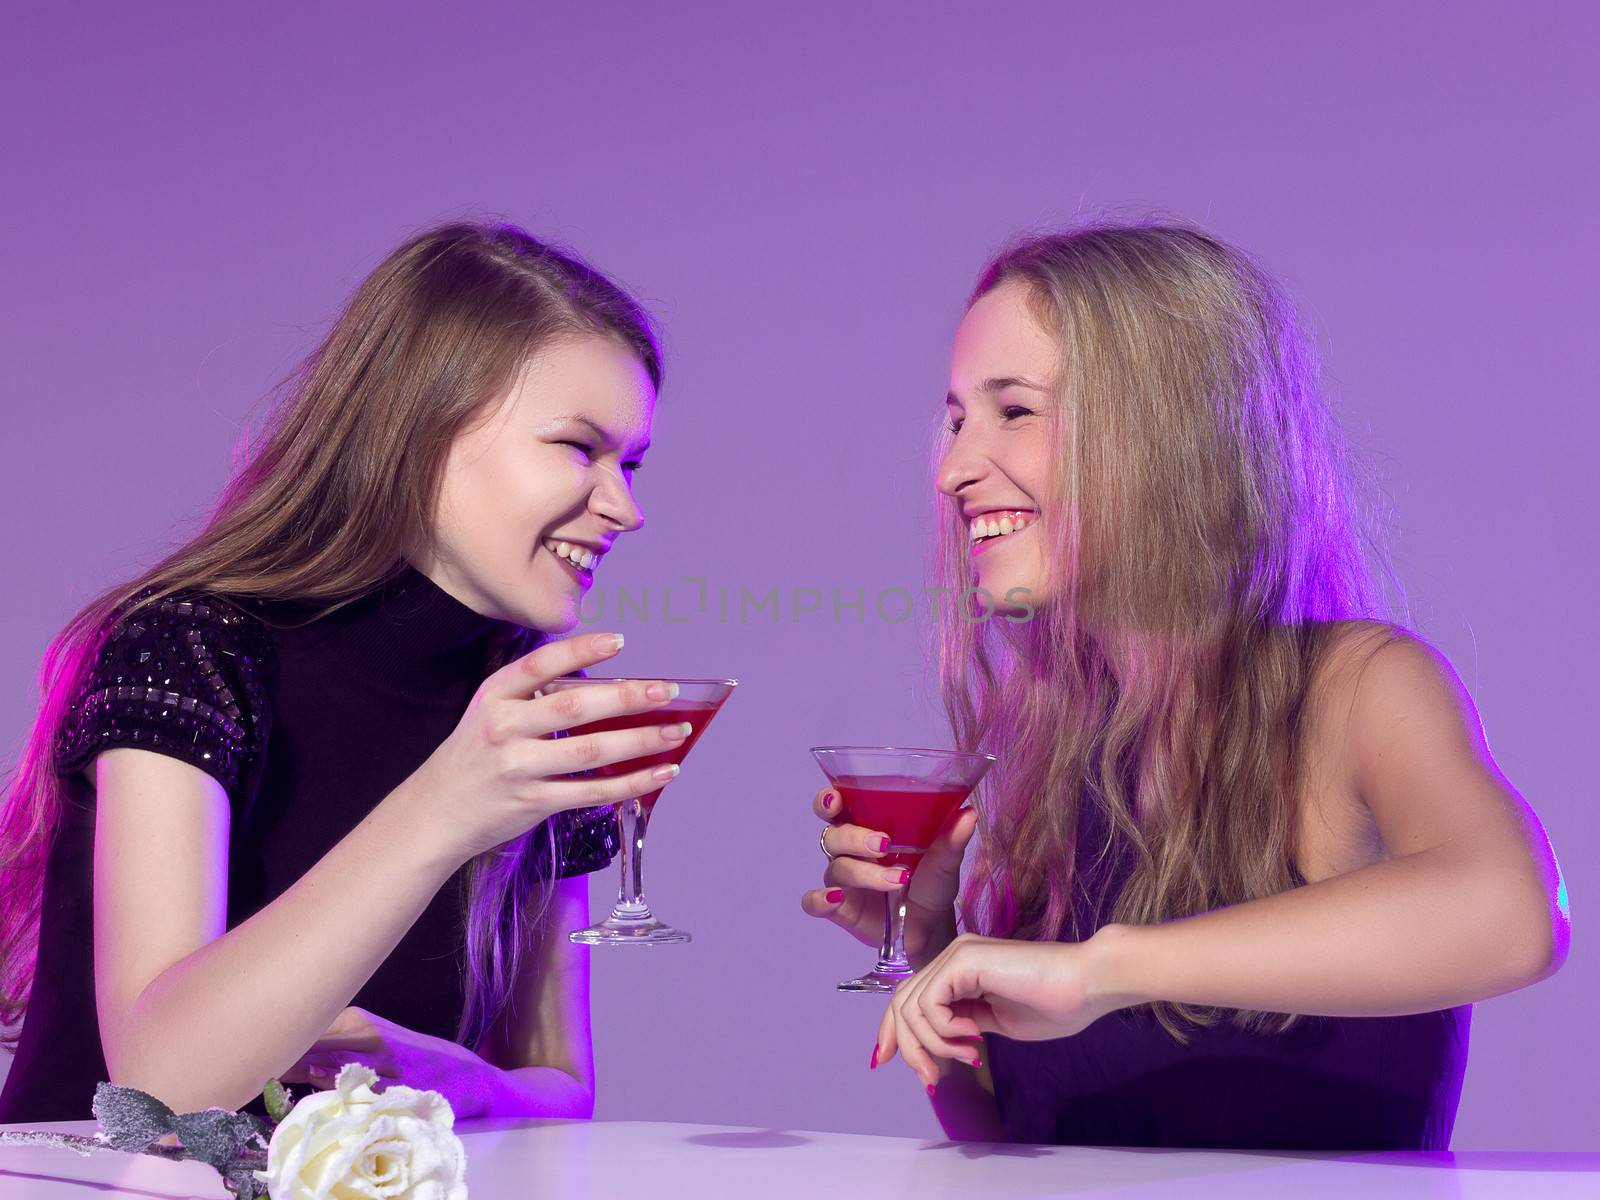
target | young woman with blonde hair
x=291, y=799
x=1245, y=859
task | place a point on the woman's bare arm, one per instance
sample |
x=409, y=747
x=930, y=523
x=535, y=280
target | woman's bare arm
x=542, y=1042
x=201, y=1015
x=174, y=986
x=1467, y=905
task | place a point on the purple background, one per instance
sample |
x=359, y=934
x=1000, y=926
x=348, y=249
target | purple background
x=804, y=202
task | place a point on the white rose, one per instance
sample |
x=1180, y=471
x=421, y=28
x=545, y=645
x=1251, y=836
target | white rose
x=352, y=1143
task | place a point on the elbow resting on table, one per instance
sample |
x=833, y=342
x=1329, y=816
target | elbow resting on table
x=576, y=1103
x=584, y=1110
x=1536, y=934
x=1550, y=943
x=179, y=1091
x=539, y=1091
x=183, y=1075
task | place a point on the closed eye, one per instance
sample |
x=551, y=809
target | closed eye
x=1011, y=412
x=580, y=447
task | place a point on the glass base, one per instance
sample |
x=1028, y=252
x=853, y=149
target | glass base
x=882, y=978
x=626, y=931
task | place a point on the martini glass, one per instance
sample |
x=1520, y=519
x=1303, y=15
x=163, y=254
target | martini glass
x=631, y=922
x=908, y=794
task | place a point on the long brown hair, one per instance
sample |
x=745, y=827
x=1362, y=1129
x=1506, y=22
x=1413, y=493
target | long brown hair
x=323, y=509
x=1201, y=543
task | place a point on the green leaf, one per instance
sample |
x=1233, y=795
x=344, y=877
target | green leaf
x=278, y=1100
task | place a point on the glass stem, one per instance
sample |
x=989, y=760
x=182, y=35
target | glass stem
x=632, y=820
x=892, y=958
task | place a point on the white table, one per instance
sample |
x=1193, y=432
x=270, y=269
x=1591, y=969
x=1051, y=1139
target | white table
x=636, y=1160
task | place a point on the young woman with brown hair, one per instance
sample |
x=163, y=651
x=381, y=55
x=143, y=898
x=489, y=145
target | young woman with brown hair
x=1245, y=858
x=291, y=799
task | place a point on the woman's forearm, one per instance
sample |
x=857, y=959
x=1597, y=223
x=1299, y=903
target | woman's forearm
x=940, y=933
x=213, y=1027
x=1426, y=931
x=537, y=1092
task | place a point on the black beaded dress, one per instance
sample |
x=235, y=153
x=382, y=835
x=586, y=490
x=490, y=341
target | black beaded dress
x=307, y=726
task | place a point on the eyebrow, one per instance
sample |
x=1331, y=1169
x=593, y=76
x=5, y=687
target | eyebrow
x=1000, y=383
x=599, y=430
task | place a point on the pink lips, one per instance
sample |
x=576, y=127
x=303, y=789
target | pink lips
x=582, y=577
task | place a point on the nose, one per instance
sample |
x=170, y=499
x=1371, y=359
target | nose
x=963, y=464
x=612, y=500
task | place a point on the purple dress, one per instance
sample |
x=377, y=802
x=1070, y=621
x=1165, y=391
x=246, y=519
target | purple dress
x=1329, y=1083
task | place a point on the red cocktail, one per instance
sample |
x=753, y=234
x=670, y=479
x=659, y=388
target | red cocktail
x=907, y=794
x=631, y=922
x=697, y=713
x=909, y=810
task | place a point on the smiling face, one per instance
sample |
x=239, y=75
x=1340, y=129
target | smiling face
x=534, y=493
x=1002, y=458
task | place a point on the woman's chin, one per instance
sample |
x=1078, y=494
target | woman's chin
x=555, y=623
x=553, y=616
x=1007, y=594
x=1021, y=607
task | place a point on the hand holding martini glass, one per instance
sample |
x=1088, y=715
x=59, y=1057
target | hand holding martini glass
x=907, y=794
x=631, y=922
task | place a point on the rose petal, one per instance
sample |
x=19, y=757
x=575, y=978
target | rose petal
x=353, y=1143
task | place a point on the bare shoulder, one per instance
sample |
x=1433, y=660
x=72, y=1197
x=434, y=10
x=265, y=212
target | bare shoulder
x=1408, y=747
x=1344, y=651
x=1381, y=683
x=1337, y=833
x=1385, y=722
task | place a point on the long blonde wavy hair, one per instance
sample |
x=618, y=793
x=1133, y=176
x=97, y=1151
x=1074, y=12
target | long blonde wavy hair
x=322, y=511
x=1201, y=543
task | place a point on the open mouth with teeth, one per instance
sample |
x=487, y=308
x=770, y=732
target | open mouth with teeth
x=579, y=559
x=988, y=528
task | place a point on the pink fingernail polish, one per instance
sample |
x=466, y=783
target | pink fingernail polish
x=834, y=895
x=931, y=1088
x=873, y=1065
x=883, y=844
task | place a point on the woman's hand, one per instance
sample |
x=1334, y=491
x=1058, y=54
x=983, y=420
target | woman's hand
x=398, y=1055
x=856, y=883
x=500, y=772
x=1029, y=991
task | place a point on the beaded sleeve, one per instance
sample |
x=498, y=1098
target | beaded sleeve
x=586, y=839
x=184, y=677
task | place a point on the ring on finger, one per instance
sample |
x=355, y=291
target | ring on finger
x=822, y=840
